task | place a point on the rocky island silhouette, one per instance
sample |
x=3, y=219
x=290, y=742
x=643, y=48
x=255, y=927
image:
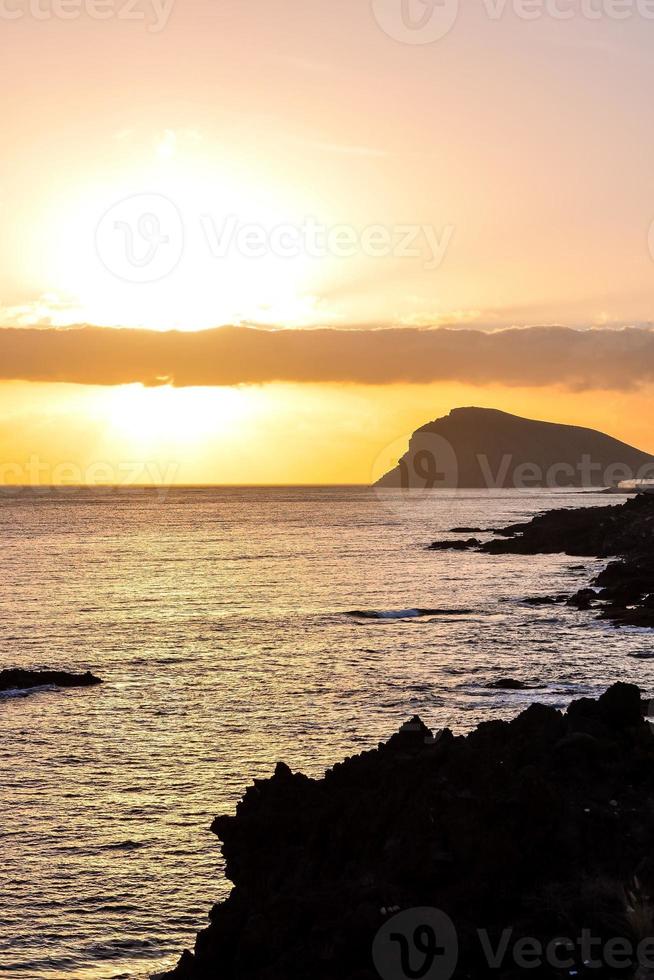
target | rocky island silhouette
x=484, y=448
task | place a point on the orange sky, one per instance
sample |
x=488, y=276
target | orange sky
x=194, y=163
x=267, y=434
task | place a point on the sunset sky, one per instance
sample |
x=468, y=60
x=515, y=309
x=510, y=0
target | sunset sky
x=354, y=172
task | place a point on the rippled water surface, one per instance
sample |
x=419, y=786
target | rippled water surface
x=219, y=622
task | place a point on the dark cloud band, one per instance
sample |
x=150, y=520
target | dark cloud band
x=530, y=356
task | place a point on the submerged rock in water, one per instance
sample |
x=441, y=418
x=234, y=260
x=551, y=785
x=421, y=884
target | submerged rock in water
x=412, y=613
x=18, y=679
x=583, y=599
x=540, y=826
x=512, y=684
x=456, y=545
x=545, y=600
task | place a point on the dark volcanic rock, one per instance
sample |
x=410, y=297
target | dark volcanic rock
x=17, y=679
x=597, y=532
x=583, y=599
x=455, y=545
x=542, y=826
x=625, y=588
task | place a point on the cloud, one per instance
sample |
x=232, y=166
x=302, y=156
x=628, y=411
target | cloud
x=528, y=356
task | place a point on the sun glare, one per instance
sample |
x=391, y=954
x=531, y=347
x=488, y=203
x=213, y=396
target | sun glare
x=157, y=417
x=211, y=268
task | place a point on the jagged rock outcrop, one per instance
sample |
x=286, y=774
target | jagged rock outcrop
x=541, y=826
x=486, y=448
x=623, y=592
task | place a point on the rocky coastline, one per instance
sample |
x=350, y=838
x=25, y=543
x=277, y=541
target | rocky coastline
x=535, y=834
x=535, y=829
x=623, y=592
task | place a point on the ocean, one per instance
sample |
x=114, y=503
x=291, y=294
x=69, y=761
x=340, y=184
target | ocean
x=222, y=622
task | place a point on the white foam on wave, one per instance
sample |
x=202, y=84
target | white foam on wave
x=413, y=613
x=24, y=692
